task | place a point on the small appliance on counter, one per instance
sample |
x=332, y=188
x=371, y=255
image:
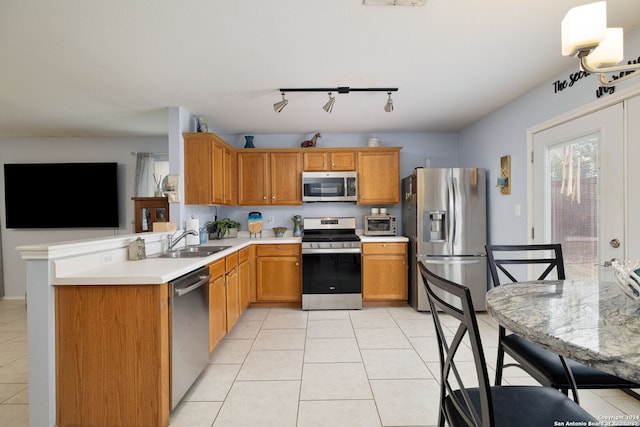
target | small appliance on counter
x=380, y=225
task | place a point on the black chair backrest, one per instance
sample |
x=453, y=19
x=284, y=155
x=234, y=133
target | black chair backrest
x=501, y=259
x=455, y=300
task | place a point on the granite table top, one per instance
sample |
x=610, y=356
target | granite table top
x=592, y=322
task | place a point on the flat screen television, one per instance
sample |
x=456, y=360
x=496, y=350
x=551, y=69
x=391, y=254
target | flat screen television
x=61, y=195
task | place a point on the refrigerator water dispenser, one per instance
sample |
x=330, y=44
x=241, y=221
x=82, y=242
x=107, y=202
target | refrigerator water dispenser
x=435, y=228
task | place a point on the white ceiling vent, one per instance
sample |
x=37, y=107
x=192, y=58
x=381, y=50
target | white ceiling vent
x=394, y=2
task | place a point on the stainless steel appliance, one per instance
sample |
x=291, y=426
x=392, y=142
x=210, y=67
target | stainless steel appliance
x=444, y=217
x=331, y=264
x=380, y=225
x=189, y=330
x=329, y=186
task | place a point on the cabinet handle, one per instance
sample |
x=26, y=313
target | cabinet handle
x=273, y=197
x=264, y=198
x=297, y=263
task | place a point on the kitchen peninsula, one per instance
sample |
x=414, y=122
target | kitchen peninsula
x=100, y=267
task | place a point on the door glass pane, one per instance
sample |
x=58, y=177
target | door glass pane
x=574, y=198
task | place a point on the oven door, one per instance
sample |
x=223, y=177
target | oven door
x=331, y=281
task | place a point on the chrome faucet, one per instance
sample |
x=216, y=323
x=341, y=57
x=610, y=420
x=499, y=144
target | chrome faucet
x=172, y=242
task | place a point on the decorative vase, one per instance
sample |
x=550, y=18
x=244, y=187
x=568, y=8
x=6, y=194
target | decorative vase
x=249, y=143
x=297, y=225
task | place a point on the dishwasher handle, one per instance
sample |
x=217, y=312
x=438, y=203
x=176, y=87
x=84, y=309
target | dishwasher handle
x=183, y=291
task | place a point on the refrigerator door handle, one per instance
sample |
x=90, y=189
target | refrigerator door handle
x=426, y=260
x=452, y=214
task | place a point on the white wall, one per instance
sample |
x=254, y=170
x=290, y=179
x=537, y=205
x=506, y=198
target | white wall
x=98, y=149
x=505, y=132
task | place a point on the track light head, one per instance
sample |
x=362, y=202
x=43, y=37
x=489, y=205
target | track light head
x=388, y=107
x=328, y=107
x=279, y=106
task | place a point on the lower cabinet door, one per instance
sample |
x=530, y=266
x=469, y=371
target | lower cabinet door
x=217, y=311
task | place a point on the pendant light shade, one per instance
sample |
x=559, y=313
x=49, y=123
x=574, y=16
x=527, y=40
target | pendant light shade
x=388, y=107
x=279, y=106
x=328, y=107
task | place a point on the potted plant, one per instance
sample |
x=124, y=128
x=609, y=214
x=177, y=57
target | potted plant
x=223, y=228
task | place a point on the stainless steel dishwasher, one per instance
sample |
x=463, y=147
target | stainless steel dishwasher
x=189, y=330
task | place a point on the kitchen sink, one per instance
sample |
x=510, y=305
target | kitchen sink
x=185, y=254
x=209, y=248
x=193, y=252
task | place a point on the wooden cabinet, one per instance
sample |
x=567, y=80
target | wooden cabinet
x=269, y=178
x=279, y=273
x=208, y=170
x=384, y=271
x=112, y=355
x=378, y=177
x=329, y=161
x=148, y=210
x=244, y=277
x=224, y=298
x=217, y=303
x=232, y=290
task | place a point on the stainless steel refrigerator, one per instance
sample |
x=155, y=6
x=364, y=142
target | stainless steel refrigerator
x=444, y=217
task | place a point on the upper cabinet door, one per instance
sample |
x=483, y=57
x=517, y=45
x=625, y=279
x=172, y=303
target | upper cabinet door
x=208, y=168
x=253, y=178
x=198, y=164
x=286, y=179
x=329, y=161
x=343, y=161
x=378, y=177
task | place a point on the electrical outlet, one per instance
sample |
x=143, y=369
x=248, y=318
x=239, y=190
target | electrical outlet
x=107, y=259
x=271, y=219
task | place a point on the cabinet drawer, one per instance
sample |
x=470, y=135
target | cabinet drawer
x=384, y=248
x=278, y=250
x=216, y=268
x=231, y=261
x=243, y=255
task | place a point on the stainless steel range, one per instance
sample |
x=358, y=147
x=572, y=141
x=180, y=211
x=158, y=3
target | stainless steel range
x=331, y=264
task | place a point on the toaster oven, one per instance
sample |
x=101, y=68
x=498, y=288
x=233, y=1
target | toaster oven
x=380, y=225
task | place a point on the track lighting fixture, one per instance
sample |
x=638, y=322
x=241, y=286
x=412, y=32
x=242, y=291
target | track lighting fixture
x=279, y=106
x=388, y=107
x=328, y=107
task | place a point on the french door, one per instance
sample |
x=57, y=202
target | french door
x=578, y=191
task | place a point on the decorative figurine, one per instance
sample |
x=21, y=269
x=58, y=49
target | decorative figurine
x=311, y=142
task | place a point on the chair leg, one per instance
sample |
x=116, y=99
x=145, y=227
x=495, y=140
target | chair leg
x=499, y=364
x=572, y=380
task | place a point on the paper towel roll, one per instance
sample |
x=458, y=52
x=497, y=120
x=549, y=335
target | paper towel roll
x=193, y=224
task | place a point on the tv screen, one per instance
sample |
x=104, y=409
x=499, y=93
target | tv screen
x=61, y=195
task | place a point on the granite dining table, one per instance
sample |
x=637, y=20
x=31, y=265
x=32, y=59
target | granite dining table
x=589, y=321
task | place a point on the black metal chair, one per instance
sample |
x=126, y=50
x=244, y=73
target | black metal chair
x=484, y=405
x=546, y=367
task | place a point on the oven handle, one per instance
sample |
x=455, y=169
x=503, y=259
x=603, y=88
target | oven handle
x=331, y=251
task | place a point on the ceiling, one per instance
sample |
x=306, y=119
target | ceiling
x=94, y=68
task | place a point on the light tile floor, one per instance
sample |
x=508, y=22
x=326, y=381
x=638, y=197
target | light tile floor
x=286, y=367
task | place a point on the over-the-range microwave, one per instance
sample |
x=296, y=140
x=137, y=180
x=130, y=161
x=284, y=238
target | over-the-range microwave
x=329, y=186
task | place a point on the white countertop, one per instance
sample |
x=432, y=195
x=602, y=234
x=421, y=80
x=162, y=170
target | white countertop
x=117, y=270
